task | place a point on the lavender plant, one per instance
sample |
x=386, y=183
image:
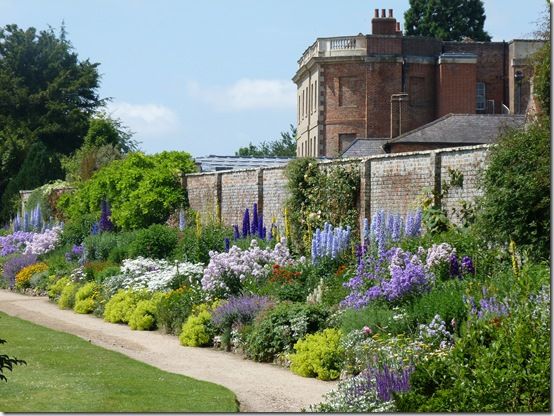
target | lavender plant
x=14, y=265
x=240, y=310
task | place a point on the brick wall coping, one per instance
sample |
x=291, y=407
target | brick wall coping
x=351, y=160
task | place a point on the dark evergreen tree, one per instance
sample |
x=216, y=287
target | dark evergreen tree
x=47, y=95
x=446, y=19
x=39, y=167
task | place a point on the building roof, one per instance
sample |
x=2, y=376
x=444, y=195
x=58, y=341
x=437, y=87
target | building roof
x=214, y=163
x=364, y=147
x=461, y=129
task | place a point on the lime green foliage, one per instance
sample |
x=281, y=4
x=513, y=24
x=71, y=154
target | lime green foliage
x=56, y=285
x=141, y=189
x=67, y=297
x=319, y=355
x=516, y=202
x=121, y=305
x=319, y=194
x=157, y=241
x=87, y=297
x=197, y=330
x=144, y=316
x=100, y=381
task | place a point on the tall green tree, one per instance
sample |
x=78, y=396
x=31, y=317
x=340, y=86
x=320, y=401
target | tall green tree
x=285, y=146
x=446, y=19
x=106, y=140
x=47, y=95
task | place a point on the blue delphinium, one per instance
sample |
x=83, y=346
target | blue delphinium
x=95, y=229
x=330, y=242
x=236, y=234
x=26, y=221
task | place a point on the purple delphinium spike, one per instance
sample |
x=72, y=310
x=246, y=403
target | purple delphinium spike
x=236, y=234
x=227, y=244
x=261, y=225
x=467, y=265
x=454, y=266
x=254, y=225
x=95, y=229
x=105, y=222
x=246, y=223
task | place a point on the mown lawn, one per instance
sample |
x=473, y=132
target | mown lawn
x=64, y=373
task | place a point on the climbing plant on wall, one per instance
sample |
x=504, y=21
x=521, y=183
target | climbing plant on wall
x=319, y=194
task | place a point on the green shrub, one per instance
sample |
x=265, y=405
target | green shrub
x=378, y=316
x=174, y=308
x=498, y=365
x=198, y=329
x=276, y=330
x=143, y=317
x=39, y=281
x=516, y=184
x=316, y=195
x=121, y=305
x=87, y=297
x=75, y=232
x=157, y=241
x=107, y=272
x=446, y=300
x=196, y=249
x=56, y=286
x=319, y=355
x=67, y=297
x=141, y=190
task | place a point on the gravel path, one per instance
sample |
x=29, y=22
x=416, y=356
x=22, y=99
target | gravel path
x=258, y=387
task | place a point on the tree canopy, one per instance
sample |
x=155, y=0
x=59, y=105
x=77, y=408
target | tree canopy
x=47, y=95
x=446, y=19
x=285, y=146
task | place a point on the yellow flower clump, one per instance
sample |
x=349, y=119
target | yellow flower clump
x=25, y=274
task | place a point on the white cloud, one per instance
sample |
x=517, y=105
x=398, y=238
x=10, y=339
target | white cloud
x=247, y=94
x=147, y=121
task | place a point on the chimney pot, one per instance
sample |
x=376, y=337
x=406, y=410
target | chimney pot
x=390, y=12
x=376, y=12
x=383, y=13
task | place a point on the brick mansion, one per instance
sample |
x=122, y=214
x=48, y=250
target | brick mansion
x=383, y=85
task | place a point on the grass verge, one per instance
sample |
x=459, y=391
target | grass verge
x=64, y=373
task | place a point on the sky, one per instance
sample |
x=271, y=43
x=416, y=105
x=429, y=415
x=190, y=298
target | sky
x=211, y=76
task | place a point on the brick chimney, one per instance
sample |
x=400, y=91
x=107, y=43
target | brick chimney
x=383, y=24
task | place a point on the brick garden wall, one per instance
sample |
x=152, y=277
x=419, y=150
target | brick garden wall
x=392, y=182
